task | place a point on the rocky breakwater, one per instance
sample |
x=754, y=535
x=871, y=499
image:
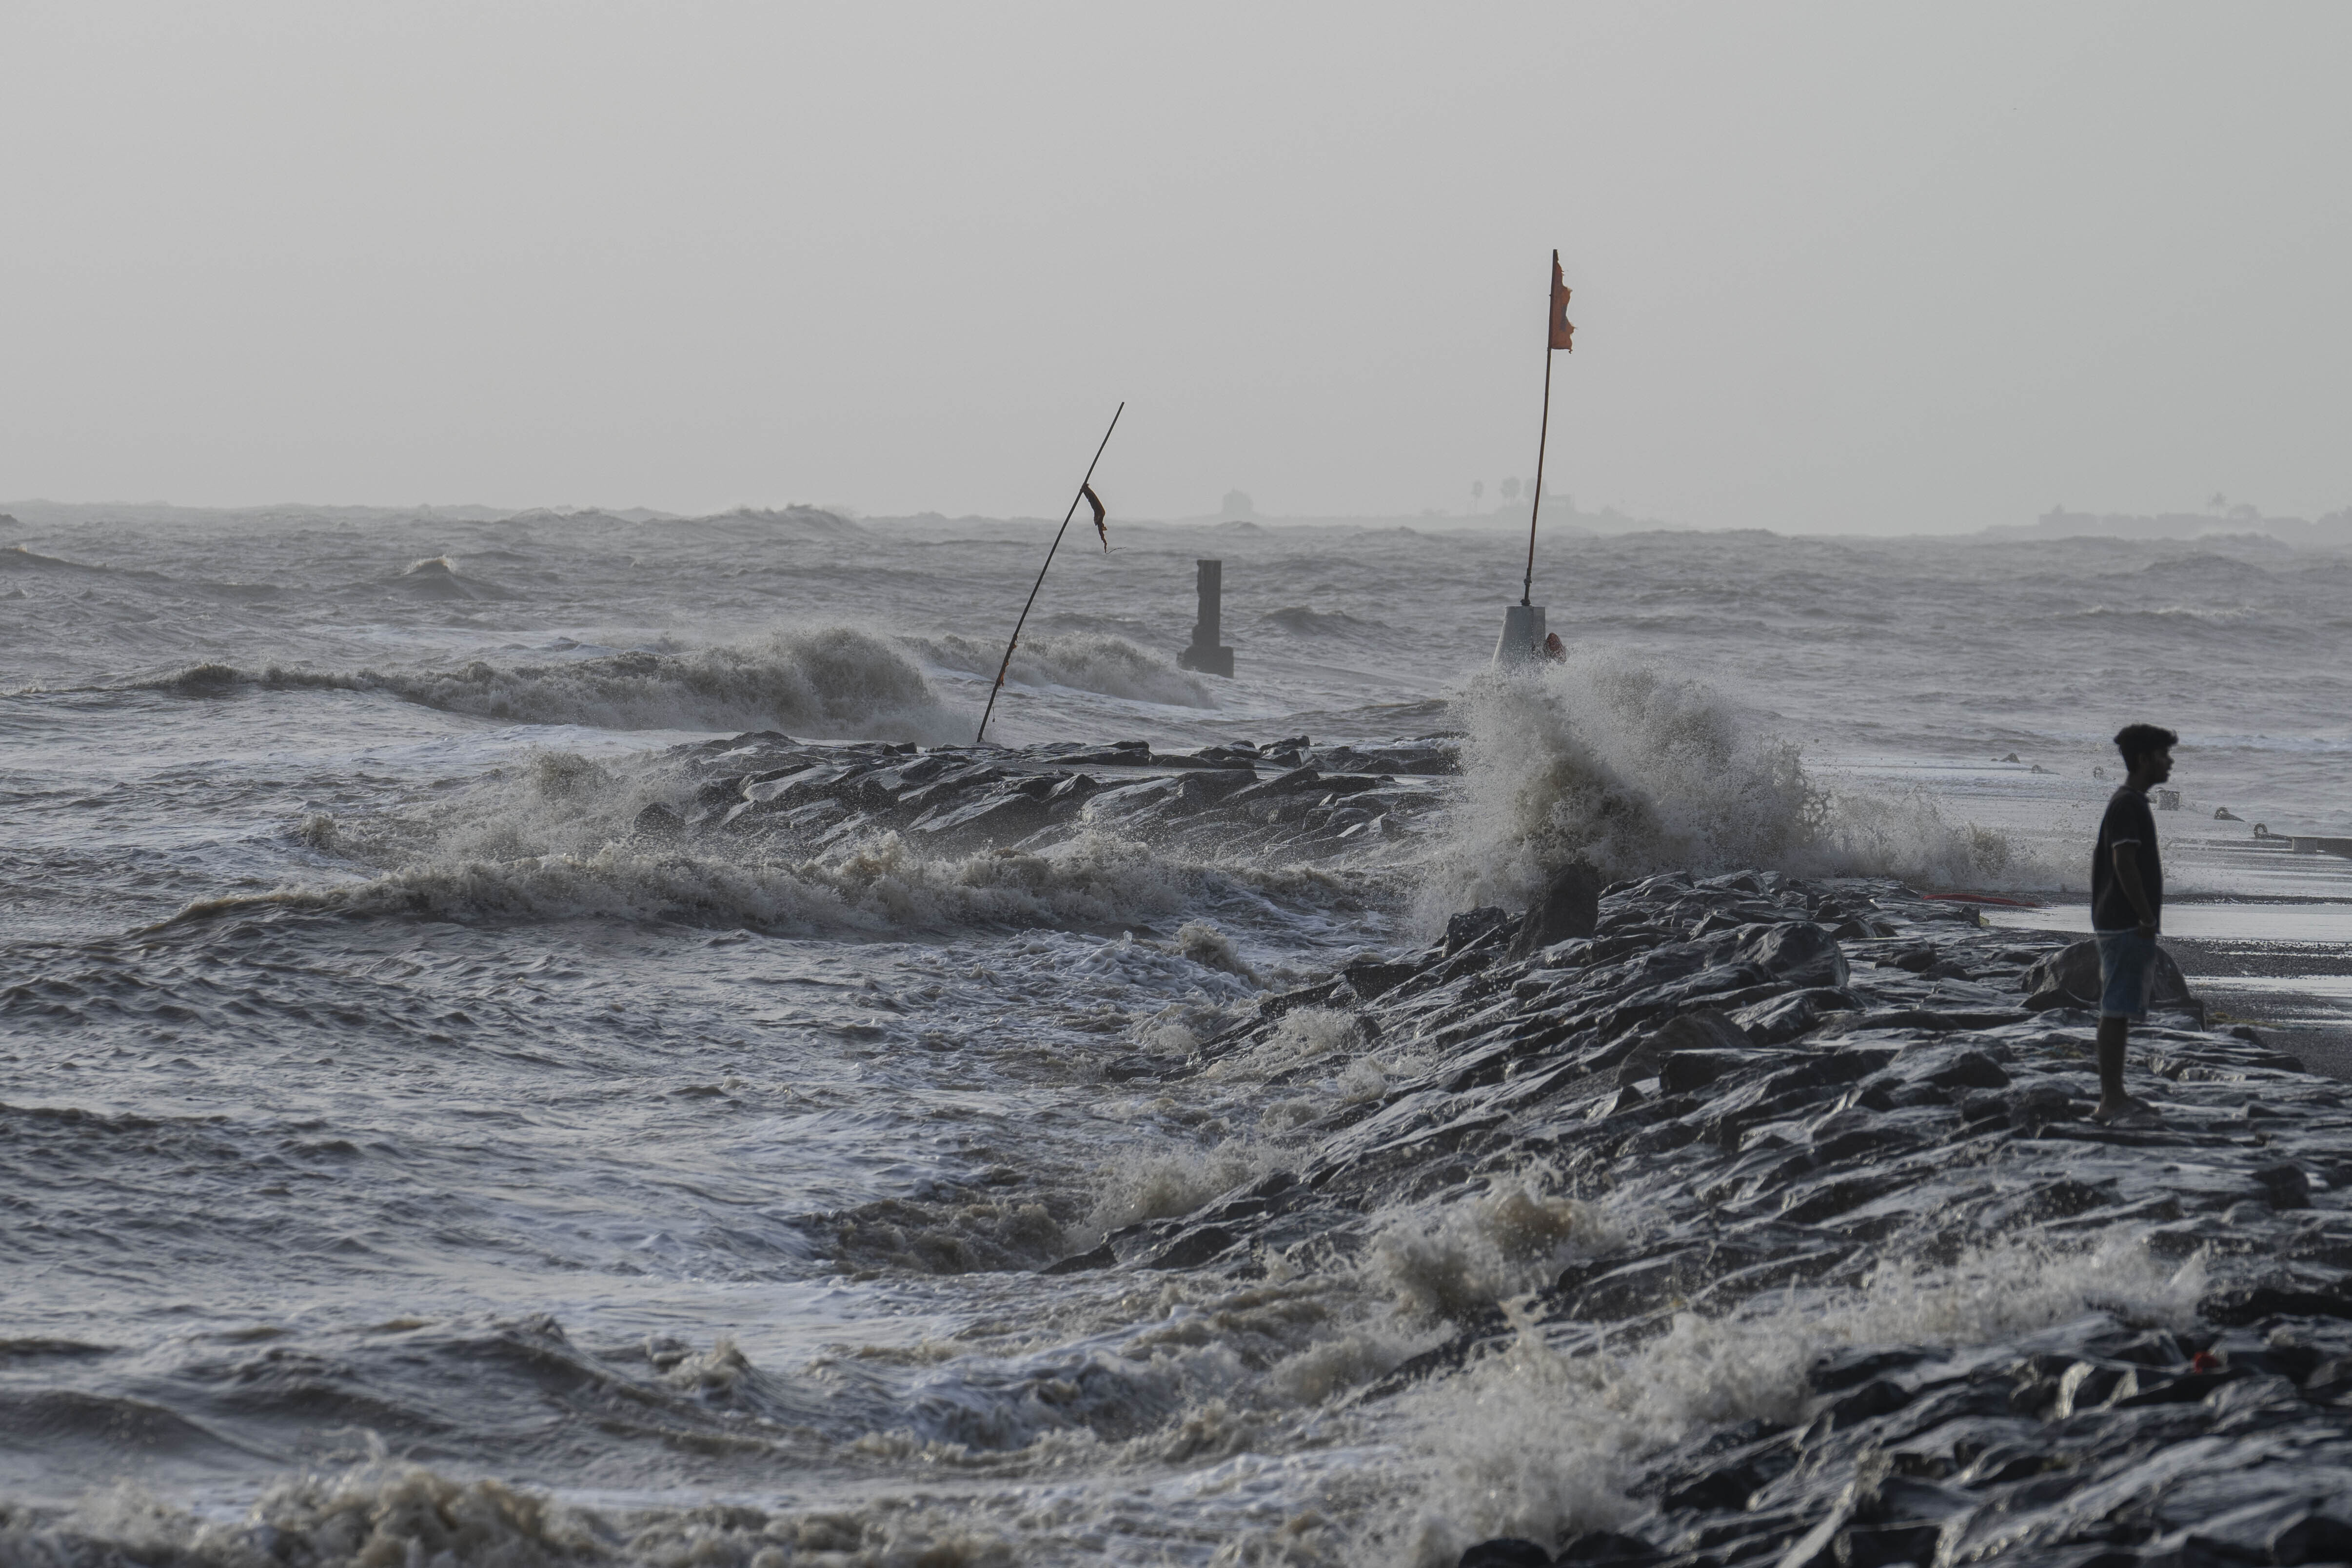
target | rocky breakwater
x=1290, y=797
x=1763, y=1102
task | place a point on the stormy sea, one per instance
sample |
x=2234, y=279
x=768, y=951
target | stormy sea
x=541, y=1039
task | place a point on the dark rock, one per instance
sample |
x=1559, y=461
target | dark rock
x=2237, y=1305
x=1197, y=790
x=1471, y=927
x=1371, y=978
x=1507, y=1552
x=1606, y=1546
x=1194, y=1247
x=1786, y=1016
x=1799, y=952
x=1569, y=908
x=2285, y=1186
x=2035, y=1107
x=1101, y=1257
x=1704, y=1030
x=1687, y=1071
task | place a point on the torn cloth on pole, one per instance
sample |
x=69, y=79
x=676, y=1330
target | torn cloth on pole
x=1095, y=502
x=1562, y=328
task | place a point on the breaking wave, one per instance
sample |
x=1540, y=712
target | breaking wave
x=1083, y=661
x=1632, y=770
x=880, y=887
x=829, y=682
x=437, y=577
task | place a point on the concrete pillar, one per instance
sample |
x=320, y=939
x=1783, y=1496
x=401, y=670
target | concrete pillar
x=1205, y=654
x=1522, y=639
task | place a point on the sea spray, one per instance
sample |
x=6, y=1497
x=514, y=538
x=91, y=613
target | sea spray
x=1610, y=761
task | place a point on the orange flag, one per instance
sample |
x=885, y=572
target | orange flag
x=1562, y=328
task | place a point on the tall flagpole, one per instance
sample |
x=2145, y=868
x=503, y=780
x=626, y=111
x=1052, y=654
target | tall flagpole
x=1535, y=509
x=1023, y=621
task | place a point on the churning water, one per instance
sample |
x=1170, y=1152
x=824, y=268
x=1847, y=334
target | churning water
x=402, y=1154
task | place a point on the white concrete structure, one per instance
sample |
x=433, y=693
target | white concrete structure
x=1522, y=639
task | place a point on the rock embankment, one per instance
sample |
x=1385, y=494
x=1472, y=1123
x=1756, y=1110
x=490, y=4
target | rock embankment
x=1798, y=1086
x=1289, y=798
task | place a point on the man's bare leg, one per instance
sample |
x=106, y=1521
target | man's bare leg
x=2113, y=1100
x=2115, y=1105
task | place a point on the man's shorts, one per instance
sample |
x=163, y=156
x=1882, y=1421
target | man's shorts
x=2127, y=974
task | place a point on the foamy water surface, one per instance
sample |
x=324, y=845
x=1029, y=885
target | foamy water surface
x=385, y=1120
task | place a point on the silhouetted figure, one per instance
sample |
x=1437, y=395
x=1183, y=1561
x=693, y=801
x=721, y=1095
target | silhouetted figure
x=2127, y=910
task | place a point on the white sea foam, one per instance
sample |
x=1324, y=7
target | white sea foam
x=1533, y=1443
x=1165, y=1181
x=1515, y=1236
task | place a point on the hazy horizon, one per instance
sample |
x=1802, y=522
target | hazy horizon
x=1838, y=269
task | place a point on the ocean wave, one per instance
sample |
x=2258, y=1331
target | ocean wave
x=1630, y=769
x=1300, y=620
x=1083, y=661
x=882, y=886
x=832, y=682
x=437, y=577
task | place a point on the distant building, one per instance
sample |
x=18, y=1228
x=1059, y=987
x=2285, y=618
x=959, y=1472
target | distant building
x=1238, y=504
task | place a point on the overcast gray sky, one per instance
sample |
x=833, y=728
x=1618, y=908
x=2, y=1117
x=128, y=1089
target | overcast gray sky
x=1837, y=266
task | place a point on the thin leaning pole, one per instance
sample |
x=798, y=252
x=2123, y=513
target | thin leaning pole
x=1556, y=329
x=1015, y=640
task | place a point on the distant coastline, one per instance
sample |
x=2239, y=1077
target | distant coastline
x=2332, y=531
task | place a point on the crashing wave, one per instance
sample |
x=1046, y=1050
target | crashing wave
x=1629, y=769
x=834, y=682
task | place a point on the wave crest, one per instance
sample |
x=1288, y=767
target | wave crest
x=831, y=682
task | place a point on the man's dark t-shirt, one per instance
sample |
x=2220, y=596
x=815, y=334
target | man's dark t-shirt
x=2127, y=821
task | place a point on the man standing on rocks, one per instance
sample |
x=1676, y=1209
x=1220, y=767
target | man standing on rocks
x=2126, y=908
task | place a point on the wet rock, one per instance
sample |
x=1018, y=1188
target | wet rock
x=1207, y=788
x=1786, y=1016
x=1569, y=908
x=1371, y=978
x=1698, y=1033
x=1507, y=1552
x=1600, y=1547
x=1472, y=927
x=2070, y=978
x=1798, y=953
x=2285, y=1186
